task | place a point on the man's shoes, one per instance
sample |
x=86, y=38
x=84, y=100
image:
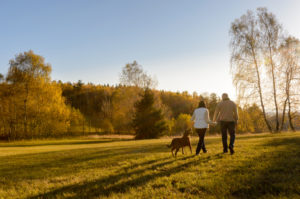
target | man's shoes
x=225, y=151
x=204, y=151
x=231, y=150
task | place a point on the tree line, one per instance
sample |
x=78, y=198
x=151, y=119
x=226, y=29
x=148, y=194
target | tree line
x=34, y=106
x=264, y=64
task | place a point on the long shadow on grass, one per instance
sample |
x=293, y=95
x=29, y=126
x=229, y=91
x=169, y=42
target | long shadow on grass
x=34, y=166
x=123, y=181
x=277, y=173
x=103, y=140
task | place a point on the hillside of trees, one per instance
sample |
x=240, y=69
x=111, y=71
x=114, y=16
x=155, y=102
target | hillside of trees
x=264, y=64
x=34, y=106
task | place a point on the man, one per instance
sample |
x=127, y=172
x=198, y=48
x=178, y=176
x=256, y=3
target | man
x=226, y=114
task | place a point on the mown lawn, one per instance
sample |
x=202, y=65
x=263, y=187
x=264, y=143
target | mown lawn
x=264, y=166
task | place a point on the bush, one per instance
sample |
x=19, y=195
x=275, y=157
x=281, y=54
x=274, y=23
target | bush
x=182, y=123
x=148, y=121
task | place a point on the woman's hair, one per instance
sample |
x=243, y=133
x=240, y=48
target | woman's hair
x=202, y=104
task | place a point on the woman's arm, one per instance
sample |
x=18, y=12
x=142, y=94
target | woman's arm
x=193, y=117
x=207, y=119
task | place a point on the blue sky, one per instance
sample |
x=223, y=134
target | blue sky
x=185, y=44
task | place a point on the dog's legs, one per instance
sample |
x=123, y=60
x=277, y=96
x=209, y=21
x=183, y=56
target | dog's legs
x=182, y=150
x=191, y=148
x=176, y=152
x=172, y=151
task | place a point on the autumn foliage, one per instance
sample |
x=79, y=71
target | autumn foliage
x=34, y=106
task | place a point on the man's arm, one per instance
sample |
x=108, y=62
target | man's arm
x=207, y=118
x=235, y=112
x=216, y=113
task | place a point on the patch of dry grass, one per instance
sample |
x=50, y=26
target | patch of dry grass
x=264, y=166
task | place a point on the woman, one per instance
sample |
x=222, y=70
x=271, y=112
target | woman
x=201, y=123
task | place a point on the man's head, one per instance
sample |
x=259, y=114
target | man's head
x=225, y=96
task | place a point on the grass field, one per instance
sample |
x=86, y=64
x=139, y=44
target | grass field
x=264, y=166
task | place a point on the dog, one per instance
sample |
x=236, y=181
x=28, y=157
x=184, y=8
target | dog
x=178, y=143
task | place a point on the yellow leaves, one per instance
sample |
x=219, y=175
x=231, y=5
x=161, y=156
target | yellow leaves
x=36, y=104
x=181, y=123
x=27, y=67
x=245, y=123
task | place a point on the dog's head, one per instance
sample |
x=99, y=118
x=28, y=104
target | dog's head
x=187, y=132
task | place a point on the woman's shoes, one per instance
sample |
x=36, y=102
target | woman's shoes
x=231, y=150
x=204, y=151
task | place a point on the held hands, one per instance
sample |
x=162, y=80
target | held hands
x=213, y=123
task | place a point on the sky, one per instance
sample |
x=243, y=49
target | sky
x=184, y=44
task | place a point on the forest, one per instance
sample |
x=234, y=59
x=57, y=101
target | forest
x=264, y=65
x=34, y=106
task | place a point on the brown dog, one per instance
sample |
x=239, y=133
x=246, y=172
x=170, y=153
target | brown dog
x=178, y=143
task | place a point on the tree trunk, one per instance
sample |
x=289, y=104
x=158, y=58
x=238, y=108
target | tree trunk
x=263, y=109
x=260, y=93
x=83, y=127
x=90, y=126
x=275, y=101
x=290, y=116
x=14, y=123
x=274, y=89
x=25, y=110
x=283, y=114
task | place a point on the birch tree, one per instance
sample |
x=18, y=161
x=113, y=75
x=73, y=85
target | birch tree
x=290, y=71
x=246, y=60
x=270, y=35
x=134, y=75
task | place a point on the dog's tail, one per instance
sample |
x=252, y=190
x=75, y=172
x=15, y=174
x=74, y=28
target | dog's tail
x=169, y=146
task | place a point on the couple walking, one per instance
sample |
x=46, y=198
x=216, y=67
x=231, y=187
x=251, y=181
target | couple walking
x=225, y=114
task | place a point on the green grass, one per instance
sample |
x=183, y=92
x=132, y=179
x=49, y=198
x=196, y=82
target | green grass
x=264, y=166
